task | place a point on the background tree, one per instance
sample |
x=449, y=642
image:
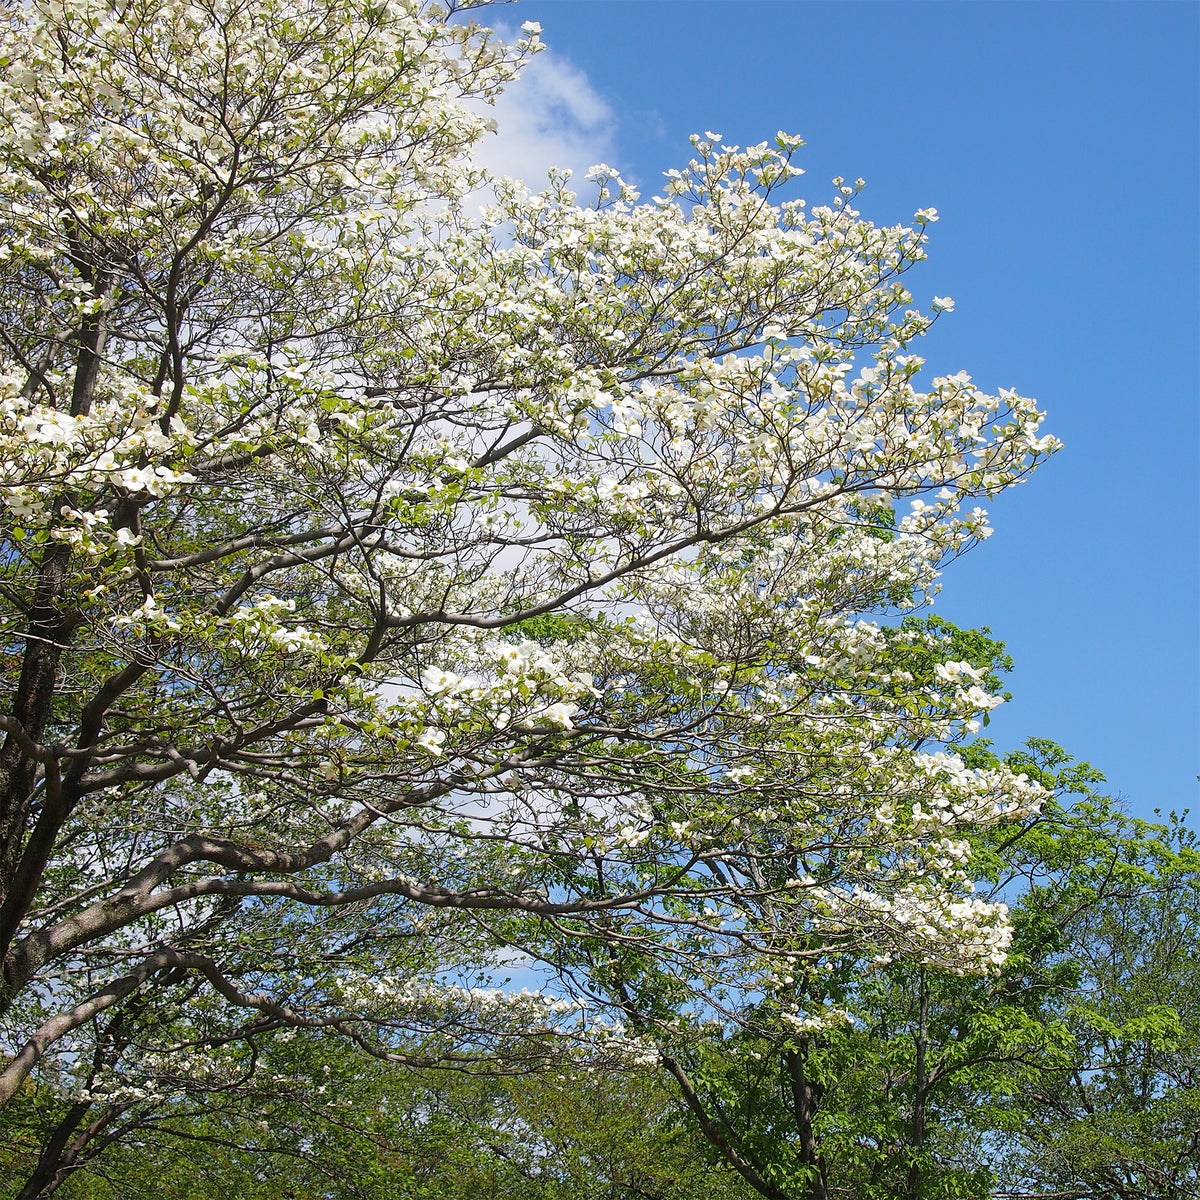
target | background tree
x=309, y=1121
x=1070, y=1071
x=1121, y=1116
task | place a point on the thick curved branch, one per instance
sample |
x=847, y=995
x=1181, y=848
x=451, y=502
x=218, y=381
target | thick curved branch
x=63, y=1023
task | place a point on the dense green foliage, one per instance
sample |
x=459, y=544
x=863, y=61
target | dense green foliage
x=1071, y=1072
x=319, y=1126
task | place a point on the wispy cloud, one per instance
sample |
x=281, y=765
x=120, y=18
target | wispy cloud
x=551, y=116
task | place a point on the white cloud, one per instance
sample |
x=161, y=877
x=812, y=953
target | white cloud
x=551, y=116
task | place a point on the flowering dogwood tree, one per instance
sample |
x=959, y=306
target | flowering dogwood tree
x=380, y=577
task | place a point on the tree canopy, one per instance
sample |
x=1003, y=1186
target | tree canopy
x=403, y=568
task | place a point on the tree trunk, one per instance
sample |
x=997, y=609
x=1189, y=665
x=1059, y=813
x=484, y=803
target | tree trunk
x=61, y=1151
x=806, y=1101
x=920, y=1088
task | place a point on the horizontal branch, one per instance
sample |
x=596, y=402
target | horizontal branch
x=29, y=747
x=63, y=1023
x=254, y=541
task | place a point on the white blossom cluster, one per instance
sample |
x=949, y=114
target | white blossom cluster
x=957, y=933
x=117, y=445
x=828, y=1017
x=523, y=677
x=526, y=1012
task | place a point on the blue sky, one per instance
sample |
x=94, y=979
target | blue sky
x=1058, y=141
